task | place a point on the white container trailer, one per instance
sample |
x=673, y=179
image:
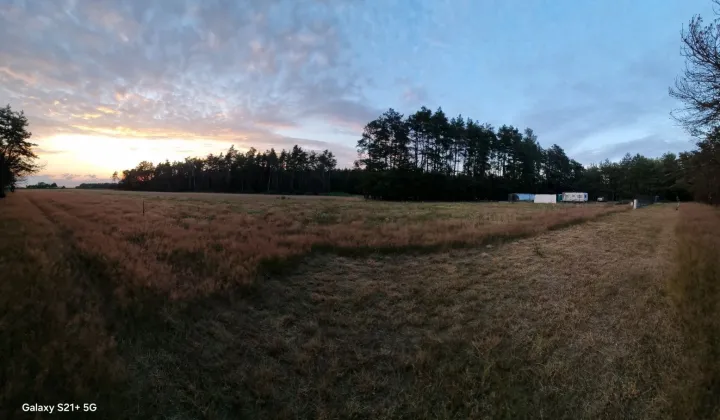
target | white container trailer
x=546, y=198
x=575, y=197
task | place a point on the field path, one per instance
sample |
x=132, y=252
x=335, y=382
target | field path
x=574, y=323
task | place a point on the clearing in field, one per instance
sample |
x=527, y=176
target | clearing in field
x=174, y=313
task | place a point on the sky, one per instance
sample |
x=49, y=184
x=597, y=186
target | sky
x=108, y=83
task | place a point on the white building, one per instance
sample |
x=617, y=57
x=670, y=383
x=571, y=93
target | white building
x=574, y=196
x=546, y=198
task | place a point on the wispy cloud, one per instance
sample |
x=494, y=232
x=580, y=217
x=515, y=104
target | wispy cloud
x=69, y=176
x=650, y=145
x=40, y=151
x=196, y=69
x=415, y=95
x=250, y=72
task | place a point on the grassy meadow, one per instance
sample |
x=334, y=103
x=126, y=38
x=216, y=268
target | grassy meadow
x=185, y=245
x=695, y=287
x=233, y=306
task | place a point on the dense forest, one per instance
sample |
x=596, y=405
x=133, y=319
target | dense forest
x=425, y=156
x=293, y=171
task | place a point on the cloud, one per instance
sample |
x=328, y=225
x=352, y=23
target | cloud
x=416, y=95
x=345, y=113
x=570, y=124
x=7, y=74
x=68, y=176
x=650, y=146
x=236, y=71
x=106, y=110
x=584, y=105
x=244, y=72
x=40, y=151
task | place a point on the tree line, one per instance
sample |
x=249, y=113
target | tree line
x=291, y=171
x=422, y=157
x=43, y=186
x=428, y=156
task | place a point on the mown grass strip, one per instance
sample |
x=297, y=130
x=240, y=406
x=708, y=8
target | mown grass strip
x=284, y=265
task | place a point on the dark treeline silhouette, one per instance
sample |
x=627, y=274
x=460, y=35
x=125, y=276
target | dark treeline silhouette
x=422, y=157
x=427, y=156
x=296, y=171
x=97, y=185
x=42, y=186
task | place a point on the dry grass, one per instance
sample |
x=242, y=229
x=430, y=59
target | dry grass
x=189, y=245
x=695, y=287
x=568, y=323
x=55, y=339
x=586, y=331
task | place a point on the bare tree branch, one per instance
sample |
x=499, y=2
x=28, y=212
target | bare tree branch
x=699, y=86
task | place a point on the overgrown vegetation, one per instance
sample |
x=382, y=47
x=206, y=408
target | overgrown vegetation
x=695, y=287
x=55, y=314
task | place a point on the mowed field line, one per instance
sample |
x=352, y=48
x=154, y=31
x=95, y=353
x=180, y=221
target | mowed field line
x=571, y=323
x=574, y=323
x=185, y=249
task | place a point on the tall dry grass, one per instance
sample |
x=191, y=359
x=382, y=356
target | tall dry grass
x=188, y=247
x=567, y=325
x=54, y=339
x=572, y=324
x=695, y=288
